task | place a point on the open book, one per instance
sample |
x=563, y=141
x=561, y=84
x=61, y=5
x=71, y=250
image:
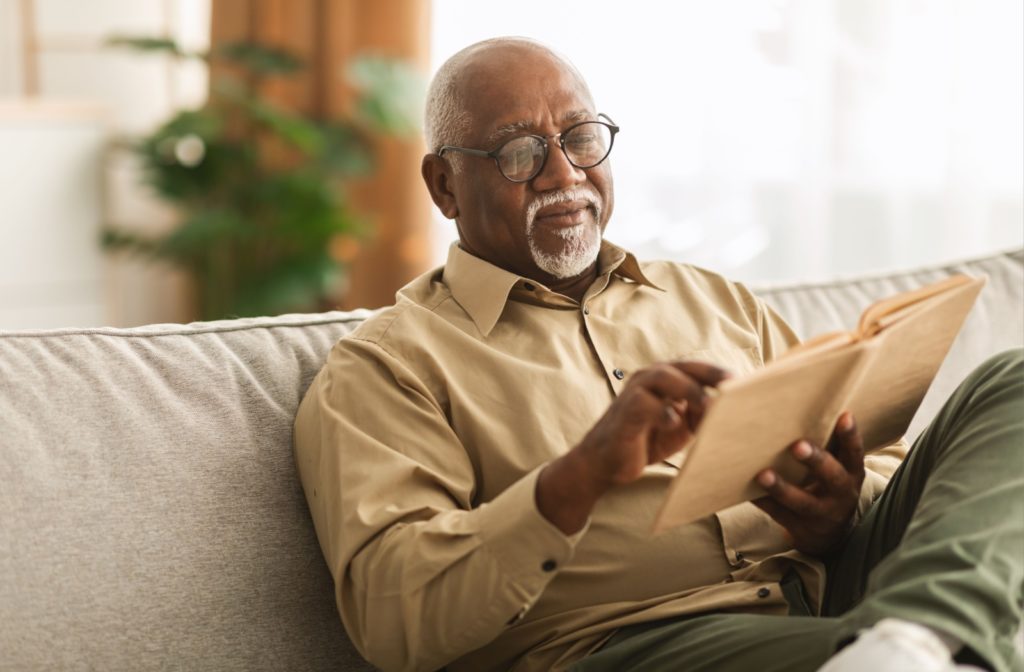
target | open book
x=880, y=372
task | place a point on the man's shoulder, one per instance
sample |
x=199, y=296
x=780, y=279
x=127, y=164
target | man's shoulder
x=701, y=288
x=419, y=308
x=420, y=297
x=680, y=275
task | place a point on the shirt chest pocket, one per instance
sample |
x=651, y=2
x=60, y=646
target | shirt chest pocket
x=737, y=361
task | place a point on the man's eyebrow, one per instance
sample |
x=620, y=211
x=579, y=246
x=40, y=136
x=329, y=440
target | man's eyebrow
x=577, y=115
x=505, y=130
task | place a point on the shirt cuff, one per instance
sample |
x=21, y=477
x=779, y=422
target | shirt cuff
x=525, y=544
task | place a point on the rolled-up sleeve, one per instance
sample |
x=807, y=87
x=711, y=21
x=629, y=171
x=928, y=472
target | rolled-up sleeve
x=422, y=574
x=879, y=466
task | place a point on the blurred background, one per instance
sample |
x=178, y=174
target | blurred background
x=173, y=160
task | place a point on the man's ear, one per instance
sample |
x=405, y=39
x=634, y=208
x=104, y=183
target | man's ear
x=437, y=175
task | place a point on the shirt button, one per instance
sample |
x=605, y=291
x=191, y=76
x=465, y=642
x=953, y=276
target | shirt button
x=528, y=286
x=586, y=310
x=618, y=373
x=763, y=593
x=739, y=557
x=549, y=565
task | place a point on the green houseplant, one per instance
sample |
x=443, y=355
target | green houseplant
x=261, y=190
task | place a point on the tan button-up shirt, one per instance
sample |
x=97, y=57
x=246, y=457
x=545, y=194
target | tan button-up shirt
x=419, y=443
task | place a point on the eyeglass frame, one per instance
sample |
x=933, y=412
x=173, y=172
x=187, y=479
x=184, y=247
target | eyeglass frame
x=493, y=154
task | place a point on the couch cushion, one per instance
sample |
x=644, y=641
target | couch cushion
x=996, y=322
x=150, y=516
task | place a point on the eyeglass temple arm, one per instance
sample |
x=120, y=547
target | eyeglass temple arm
x=464, y=150
x=608, y=119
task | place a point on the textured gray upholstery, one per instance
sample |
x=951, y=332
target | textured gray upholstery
x=150, y=517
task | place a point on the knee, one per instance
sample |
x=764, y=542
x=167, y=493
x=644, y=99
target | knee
x=1007, y=365
x=1000, y=376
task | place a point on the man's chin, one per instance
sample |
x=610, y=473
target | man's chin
x=565, y=252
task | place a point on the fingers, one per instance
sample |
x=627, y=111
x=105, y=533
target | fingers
x=818, y=513
x=672, y=432
x=653, y=417
x=673, y=415
x=681, y=382
x=779, y=513
x=848, y=446
x=704, y=373
x=823, y=467
x=674, y=379
x=669, y=384
x=826, y=505
x=798, y=502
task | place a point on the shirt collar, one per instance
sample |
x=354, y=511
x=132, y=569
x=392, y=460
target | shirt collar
x=483, y=289
x=616, y=261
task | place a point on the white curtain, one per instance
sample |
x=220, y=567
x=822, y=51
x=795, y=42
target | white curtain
x=794, y=139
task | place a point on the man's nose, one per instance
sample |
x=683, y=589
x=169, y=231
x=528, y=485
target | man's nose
x=557, y=172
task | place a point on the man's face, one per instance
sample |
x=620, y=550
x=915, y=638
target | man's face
x=549, y=227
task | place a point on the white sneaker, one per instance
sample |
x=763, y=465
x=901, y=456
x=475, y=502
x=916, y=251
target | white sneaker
x=893, y=645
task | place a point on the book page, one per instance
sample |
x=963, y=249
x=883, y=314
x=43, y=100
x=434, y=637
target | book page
x=818, y=344
x=881, y=379
x=910, y=352
x=748, y=427
x=882, y=313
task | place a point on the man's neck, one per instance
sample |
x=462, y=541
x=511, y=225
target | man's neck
x=577, y=286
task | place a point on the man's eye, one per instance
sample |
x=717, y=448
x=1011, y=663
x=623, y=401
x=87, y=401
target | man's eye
x=581, y=140
x=518, y=156
x=523, y=153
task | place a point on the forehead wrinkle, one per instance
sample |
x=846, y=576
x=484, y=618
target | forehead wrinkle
x=505, y=130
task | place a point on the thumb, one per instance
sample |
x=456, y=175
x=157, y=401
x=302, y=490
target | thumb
x=671, y=433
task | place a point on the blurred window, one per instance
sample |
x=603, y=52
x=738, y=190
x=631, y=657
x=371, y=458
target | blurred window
x=811, y=138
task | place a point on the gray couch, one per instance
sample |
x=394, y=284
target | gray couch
x=150, y=517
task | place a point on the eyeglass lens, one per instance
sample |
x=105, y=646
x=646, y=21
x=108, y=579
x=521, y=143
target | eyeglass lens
x=586, y=145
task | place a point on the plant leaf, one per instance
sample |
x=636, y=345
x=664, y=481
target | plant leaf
x=117, y=239
x=293, y=129
x=197, y=234
x=258, y=58
x=296, y=285
x=392, y=94
x=153, y=44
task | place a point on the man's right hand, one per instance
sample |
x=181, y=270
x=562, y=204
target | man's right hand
x=653, y=417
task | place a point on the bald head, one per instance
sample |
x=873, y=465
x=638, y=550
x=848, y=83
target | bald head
x=500, y=93
x=449, y=110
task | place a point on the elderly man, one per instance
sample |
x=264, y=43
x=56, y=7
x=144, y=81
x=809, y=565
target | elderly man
x=483, y=460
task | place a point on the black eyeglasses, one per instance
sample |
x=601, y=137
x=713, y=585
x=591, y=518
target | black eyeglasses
x=520, y=159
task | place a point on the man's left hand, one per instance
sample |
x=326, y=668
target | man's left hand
x=818, y=513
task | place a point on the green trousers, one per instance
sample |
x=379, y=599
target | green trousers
x=943, y=546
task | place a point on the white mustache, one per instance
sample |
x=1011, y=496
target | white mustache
x=566, y=196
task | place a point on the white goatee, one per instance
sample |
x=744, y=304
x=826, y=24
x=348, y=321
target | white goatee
x=581, y=243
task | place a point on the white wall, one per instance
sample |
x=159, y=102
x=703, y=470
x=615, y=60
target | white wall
x=50, y=267
x=793, y=139
x=129, y=94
